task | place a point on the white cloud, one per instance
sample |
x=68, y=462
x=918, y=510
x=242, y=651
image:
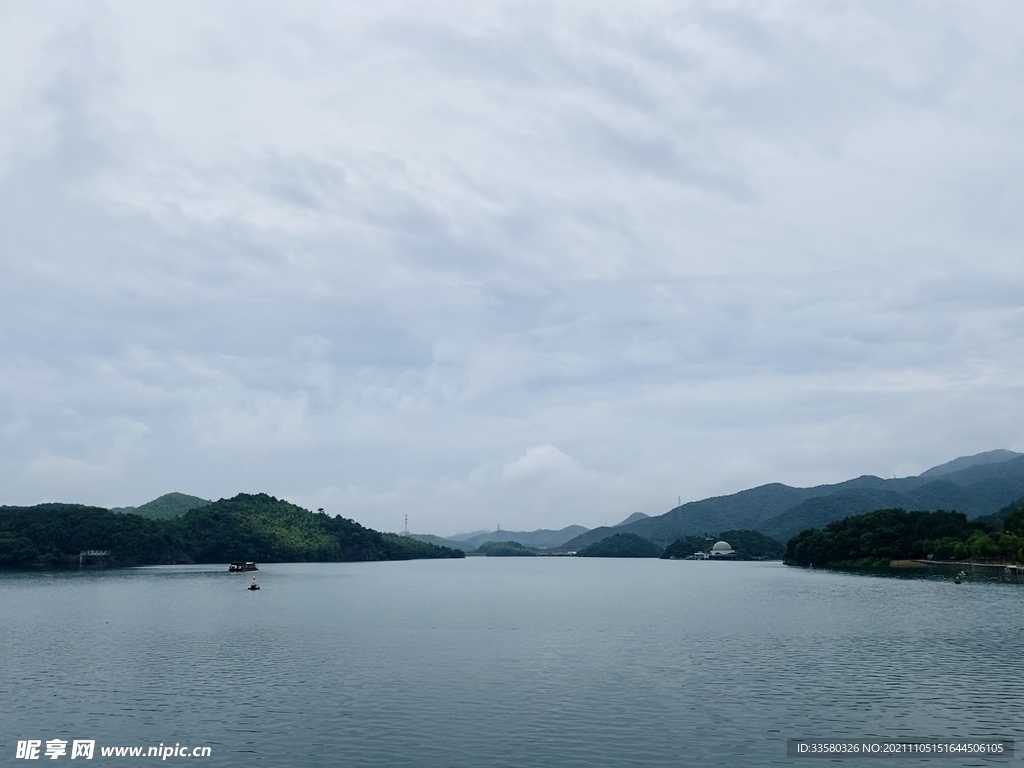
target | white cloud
x=540, y=462
x=382, y=258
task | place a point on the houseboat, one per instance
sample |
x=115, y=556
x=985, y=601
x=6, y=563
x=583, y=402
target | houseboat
x=241, y=566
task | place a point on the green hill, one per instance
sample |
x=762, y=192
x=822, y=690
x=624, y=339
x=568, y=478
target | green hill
x=246, y=527
x=753, y=545
x=168, y=506
x=748, y=545
x=895, y=534
x=621, y=545
x=505, y=549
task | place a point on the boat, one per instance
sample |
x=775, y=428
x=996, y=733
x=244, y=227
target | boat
x=254, y=586
x=240, y=566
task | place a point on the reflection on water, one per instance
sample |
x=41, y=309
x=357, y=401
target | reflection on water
x=506, y=662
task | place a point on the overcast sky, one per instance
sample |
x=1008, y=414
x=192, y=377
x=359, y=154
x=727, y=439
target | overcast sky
x=528, y=264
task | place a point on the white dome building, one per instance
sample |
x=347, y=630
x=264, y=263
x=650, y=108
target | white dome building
x=722, y=551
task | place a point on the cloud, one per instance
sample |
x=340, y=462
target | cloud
x=540, y=462
x=517, y=262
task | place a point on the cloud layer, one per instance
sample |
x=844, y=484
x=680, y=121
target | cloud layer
x=520, y=263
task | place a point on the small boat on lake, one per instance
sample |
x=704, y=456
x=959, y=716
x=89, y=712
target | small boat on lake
x=254, y=586
x=240, y=566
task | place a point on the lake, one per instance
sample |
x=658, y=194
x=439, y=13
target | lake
x=505, y=661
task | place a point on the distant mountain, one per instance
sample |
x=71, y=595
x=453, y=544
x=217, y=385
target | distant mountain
x=541, y=539
x=975, y=485
x=463, y=536
x=743, y=510
x=505, y=549
x=441, y=541
x=988, y=457
x=166, y=507
x=632, y=519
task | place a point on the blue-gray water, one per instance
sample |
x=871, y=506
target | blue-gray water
x=504, y=662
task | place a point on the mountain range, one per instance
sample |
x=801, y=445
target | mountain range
x=541, y=539
x=976, y=485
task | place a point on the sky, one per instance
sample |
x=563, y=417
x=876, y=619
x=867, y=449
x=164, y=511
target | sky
x=527, y=264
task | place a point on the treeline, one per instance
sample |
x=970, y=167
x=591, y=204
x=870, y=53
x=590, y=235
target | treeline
x=505, y=549
x=621, y=545
x=748, y=545
x=895, y=534
x=247, y=527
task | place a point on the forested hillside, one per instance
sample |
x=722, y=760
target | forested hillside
x=895, y=534
x=165, y=507
x=748, y=545
x=621, y=545
x=246, y=527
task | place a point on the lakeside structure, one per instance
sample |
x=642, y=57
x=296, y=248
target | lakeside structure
x=722, y=550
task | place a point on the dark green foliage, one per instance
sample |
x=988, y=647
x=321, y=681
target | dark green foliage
x=247, y=527
x=505, y=549
x=621, y=545
x=752, y=545
x=683, y=548
x=1010, y=518
x=891, y=534
x=15, y=552
x=408, y=548
x=749, y=545
x=60, y=531
x=261, y=528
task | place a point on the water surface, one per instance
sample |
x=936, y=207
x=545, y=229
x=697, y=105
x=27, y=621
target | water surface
x=505, y=662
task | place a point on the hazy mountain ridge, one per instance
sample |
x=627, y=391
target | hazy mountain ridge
x=965, y=462
x=540, y=539
x=632, y=519
x=975, y=485
x=441, y=541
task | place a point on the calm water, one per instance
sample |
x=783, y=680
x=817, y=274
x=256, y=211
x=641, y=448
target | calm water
x=505, y=662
